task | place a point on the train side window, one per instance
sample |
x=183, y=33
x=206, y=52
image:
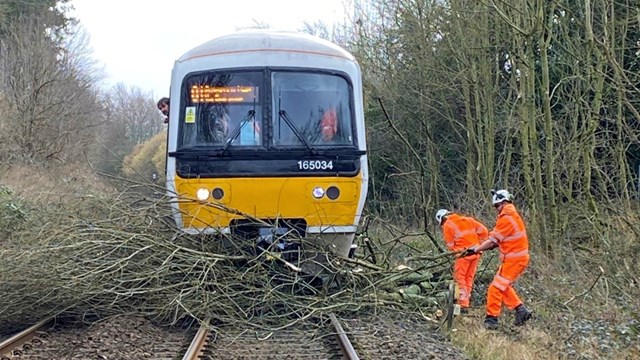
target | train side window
x=318, y=106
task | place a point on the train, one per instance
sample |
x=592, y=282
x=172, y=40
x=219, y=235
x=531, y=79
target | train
x=266, y=137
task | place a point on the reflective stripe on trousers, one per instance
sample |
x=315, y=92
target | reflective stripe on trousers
x=514, y=255
x=500, y=282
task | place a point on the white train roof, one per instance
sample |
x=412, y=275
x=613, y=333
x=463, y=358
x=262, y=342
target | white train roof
x=266, y=40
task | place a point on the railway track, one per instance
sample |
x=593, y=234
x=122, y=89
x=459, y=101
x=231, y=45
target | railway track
x=328, y=341
x=125, y=337
x=296, y=342
x=25, y=340
x=380, y=336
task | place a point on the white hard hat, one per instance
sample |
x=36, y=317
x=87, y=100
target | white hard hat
x=441, y=214
x=500, y=196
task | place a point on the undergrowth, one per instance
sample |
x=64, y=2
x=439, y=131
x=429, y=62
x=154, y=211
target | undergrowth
x=582, y=310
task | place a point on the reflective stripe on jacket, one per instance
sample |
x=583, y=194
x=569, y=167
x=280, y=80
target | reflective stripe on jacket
x=461, y=232
x=510, y=234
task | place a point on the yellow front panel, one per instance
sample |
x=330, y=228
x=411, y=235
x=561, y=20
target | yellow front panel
x=270, y=198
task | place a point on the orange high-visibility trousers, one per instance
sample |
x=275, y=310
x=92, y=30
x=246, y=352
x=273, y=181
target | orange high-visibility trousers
x=464, y=271
x=501, y=289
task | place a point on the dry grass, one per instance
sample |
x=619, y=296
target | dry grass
x=579, y=314
x=538, y=340
x=508, y=343
x=52, y=184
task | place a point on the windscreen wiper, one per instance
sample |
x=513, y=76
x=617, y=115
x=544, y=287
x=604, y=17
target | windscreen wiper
x=251, y=114
x=292, y=126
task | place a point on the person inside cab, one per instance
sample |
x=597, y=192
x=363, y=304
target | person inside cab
x=329, y=124
x=217, y=126
x=250, y=134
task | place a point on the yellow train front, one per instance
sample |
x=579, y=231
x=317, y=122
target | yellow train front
x=270, y=125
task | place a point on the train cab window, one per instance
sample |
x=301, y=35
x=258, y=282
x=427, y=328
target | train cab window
x=221, y=110
x=311, y=109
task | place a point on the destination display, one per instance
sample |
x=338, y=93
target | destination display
x=223, y=94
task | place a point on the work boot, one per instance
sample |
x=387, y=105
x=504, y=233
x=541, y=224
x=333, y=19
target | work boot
x=522, y=315
x=491, y=322
x=464, y=311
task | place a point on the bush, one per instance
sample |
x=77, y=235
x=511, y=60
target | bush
x=13, y=212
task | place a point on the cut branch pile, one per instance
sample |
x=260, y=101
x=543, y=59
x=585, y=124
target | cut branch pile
x=114, y=256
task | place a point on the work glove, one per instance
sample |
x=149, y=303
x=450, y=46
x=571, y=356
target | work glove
x=469, y=251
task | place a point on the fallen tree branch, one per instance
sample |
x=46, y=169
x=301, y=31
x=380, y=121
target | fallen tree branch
x=431, y=258
x=586, y=291
x=102, y=257
x=361, y=263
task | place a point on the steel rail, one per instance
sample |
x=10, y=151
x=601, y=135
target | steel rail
x=197, y=344
x=345, y=345
x=21, y=338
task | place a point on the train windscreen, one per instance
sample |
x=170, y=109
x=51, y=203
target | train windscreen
x=311, y=109
x=222, y=110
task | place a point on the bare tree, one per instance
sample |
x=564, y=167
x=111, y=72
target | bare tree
x=136, y=110
x=538, y=97
x=49, y=95
x=130, y=118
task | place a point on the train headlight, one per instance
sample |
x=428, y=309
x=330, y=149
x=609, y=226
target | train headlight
x=202, y=194
x=318, y=192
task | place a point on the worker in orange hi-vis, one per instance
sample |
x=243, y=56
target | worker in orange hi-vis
x=460, y=233
x=510, y=236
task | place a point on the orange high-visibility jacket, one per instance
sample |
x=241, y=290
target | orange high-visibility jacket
x=510, y=234
x=461, y=232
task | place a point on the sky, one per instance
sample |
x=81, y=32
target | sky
x=137, y=41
